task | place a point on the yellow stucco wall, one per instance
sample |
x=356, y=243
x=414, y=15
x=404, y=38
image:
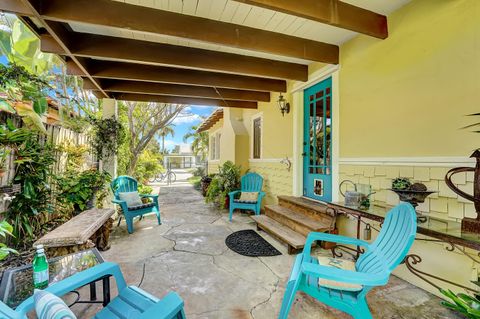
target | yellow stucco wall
x=277, y=180
x=408, y=95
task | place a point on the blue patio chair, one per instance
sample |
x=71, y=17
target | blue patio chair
x=125, y=184
x=131, y=302
x=251, y=182
x=373, y=268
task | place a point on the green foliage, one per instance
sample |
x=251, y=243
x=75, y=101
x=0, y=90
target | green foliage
x=226, y=181
x=199, y=171
x=144, y=189
x=76, y=155
x=107, y=135
x=24, y=93
x=5, y=229
x=401, y=183
x=148, y=165
x=462, y=303
x=77, y=190
x=22, y=47
x=199, y=142
x=33, y=161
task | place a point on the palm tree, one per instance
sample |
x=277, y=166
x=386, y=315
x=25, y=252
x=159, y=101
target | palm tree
x=199, y=143
x=165, y=131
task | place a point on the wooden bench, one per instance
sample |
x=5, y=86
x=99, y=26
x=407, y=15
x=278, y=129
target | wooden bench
x=88, y=229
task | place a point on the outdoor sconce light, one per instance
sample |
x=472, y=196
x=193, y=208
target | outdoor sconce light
x=283, y=105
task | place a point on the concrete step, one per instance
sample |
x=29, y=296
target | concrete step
x=310, y=208
x=294, y=240
x=298, y=222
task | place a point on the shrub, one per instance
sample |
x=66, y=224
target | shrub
x=149, y=165
x=226, y=181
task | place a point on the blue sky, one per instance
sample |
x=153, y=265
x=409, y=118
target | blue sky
x=183, y=123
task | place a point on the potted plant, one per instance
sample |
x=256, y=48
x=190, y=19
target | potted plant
x=226, y=181
x=469, y=306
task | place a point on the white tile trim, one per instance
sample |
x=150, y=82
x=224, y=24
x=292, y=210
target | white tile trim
x=439, y=161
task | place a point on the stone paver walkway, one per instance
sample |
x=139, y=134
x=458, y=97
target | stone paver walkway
x=187, y=253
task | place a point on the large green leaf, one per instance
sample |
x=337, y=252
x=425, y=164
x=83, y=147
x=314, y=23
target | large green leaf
x=30, y=117
x=5, y=106
x=5, y=42
x=40, y=105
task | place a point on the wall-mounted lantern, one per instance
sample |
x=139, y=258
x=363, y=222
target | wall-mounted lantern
x=283, y=105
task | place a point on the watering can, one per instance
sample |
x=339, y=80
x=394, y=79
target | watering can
x=359, y=197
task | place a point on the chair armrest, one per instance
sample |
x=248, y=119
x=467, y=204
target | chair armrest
x=261, y=194
x=314, y=236
x=167, y=308
x=79, y=280
x=149, y=195
x=231, y=194
x=119, y=202
x=347, y=276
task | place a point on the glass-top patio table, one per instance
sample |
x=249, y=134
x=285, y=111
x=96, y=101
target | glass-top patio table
x=17, y=283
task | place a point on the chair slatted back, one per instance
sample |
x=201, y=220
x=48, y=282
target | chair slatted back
x=123, y=184
x=393, y=243
x=252, y=182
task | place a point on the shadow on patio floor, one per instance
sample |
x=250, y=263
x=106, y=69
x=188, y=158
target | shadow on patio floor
x=187, y=253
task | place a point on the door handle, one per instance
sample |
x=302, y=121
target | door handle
x=304, y=154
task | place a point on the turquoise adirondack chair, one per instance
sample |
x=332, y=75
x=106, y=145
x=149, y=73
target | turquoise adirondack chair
x=251, y=182
x=131, y=302
x=373, y=268
x=129, y=184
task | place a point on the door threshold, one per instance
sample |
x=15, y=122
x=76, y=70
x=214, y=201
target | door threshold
x=315, y=200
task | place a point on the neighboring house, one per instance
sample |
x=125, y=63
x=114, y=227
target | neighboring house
x=181, y=157
x=390, y=108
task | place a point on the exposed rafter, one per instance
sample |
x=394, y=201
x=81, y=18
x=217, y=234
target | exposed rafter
x=184, y=100
x=183, y=90
x=160, y=74
x=139, y=18
x=332, y=12
x=145, y=52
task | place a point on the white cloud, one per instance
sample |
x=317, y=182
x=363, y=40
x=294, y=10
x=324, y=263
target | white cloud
x=169, y=143
x=186, y=118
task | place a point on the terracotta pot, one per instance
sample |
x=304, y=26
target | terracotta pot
x=327, y=244
x=2, y=172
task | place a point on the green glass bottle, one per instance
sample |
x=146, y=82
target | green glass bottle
x=40, y=269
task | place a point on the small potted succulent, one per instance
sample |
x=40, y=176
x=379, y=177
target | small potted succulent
x=411, y=193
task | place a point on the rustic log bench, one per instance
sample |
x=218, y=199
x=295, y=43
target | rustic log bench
x=88, y=229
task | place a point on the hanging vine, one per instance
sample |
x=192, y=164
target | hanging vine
x=107, y=135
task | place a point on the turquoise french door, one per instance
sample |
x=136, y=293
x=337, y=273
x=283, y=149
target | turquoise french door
x=317, y=141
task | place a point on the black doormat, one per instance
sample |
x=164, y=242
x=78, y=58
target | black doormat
x=250, y=243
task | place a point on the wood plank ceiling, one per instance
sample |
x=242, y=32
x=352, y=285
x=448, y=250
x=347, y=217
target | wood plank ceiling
x=228, y=53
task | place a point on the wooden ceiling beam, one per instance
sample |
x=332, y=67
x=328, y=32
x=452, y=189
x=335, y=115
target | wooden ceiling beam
x=15, y=6
x=184, y=100
x=144, y=52
x=332, y=12
x=183, y=90
x=139, y=18
x=160, y=74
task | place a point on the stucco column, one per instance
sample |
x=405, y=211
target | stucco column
x=109, y=110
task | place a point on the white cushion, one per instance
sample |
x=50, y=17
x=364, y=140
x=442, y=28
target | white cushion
x=132, y=198
x=49, y=306
x=248, y=197
x=340, y=264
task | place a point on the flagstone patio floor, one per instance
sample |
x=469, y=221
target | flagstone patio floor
x=187, y=254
